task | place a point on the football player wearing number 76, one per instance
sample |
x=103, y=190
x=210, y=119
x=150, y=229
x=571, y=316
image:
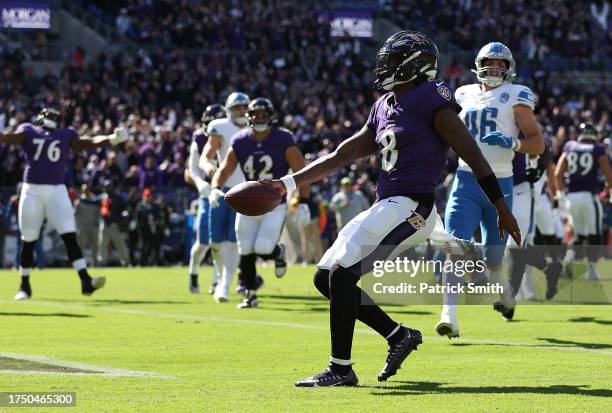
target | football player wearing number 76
x=412, y=126
x=46, y=145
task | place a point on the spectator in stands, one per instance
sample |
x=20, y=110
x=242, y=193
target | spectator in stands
x=146, y=216
x=87, y=216
x=113, y=212
x=347, y=203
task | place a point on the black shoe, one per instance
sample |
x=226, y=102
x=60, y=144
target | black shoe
x=249, y=301
x=328, y=378
x=398, y=353
x=507, y=312
x=92, y=284
x=280, y=264
x=24, y=292
x=194, y=288
x=553, y=273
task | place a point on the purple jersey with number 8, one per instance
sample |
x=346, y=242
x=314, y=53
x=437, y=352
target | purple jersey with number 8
x=413, y=154
x=46, y=153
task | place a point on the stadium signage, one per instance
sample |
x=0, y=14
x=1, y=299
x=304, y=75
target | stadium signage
x=352, y=24
x=25, y=15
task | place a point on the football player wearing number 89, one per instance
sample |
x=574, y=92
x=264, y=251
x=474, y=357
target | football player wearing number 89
x=495, y=111
x=46, y=145
x=412, y=126
x=577, y=170
x=263, y=152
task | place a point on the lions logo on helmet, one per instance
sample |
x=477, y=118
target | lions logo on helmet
x=260, y=114
x=491, y=75
x=587, y=132
x=49, y=119
x=232, y=103
x=212, y=112
x=405, y=57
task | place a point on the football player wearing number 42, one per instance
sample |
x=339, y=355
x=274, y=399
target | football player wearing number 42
x=494, y=111
x=46, y=145
x=412, y=126
x=262, y=151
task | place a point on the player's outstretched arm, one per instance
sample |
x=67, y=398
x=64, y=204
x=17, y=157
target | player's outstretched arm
x=533, y=143
x=296, y=162
x=450, y=127
x=225, y=170
x=12, y=138
x=361, y=144
x=560, y=174
x=195, y=172
x=210, y=151
x=604, y=164
x=120, y=135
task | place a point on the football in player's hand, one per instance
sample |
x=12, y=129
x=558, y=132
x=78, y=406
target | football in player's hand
x=253, y=198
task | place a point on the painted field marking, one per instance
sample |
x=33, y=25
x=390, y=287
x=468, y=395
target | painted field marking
x=282, y=324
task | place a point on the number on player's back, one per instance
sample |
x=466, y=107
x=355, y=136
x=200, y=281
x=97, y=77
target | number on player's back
x=47, y=148
x=579, y=163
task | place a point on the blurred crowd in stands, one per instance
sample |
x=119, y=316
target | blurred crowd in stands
x=321, y=87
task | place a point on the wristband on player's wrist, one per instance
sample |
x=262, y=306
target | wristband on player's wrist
x=491, y=188
x=289, y=182
x=516, y=144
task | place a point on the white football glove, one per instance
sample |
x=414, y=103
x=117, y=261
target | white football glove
x=203, y=187
x=215, y=195
x=120, y=136
x=562, y=200
x=302, y=215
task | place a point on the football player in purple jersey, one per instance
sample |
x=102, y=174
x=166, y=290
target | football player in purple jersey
x=576, y=174
x=411, y=127
x=46, y=145
x=262, y=151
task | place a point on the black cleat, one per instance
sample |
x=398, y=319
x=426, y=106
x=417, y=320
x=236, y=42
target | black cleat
x=25, y=291
x=553, y=273
x=507, y=312
x=280, y=263
x=212, y=288
x=88, y=287
x=249, y=301
x=398, y=353
x=328, y=378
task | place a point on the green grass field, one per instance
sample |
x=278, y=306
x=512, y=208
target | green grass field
x=202, y=356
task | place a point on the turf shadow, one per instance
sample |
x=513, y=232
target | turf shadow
x=404, y=388
x=21, y=314
x=590, y=320
x=295, y=297
x=576, y=343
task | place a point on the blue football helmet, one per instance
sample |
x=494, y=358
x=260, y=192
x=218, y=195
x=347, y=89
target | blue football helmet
x=491, y=75
x=233, y=100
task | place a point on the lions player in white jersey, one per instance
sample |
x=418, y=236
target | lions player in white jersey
x=196, y=176
x=495, y=111
x=221, y=218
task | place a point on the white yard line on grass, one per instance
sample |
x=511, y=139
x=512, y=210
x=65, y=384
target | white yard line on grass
x=90, y=369
x=281, y=324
